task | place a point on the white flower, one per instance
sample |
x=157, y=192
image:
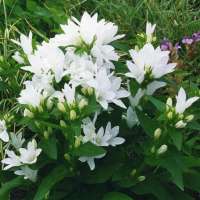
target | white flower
x=3, y=131
x=153, y=86
x=91, y=32
x=181, y=103
x=30, y=96
x=107, y=89
x=131, y=118
x=149, y=90
x=69, y=93
x=29, y=155
x=47, y=58
x=101, y=138
x=90, y=160
x=81, y=69
x=36, y=90
x=27, y=172
x=149, y=31
x=17, y=140
x=11, y=161
x=89, y=29
x=18, y=58
x=26, y=43
x=149, y=62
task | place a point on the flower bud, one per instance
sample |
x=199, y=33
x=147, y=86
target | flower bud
x=46, y=134
x=169, y=115
x=72, y=115
x=28, y=113
x=49, y=104
x=90, y=91
x=78, y=141
x=157, y=133
x=141, y=178
x=189, y=118
x=181, y=116
x=84, y=90
x=169, y=102
x=62, y=123
x=61, y=107
x=67, y=157
x=133, y=172
x=153, y=149
x=180, y=124
x=162, y=149
x=82, y=103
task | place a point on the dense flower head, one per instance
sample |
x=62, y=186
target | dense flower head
x=177, y=113
x=104, y=138
x=149, y=63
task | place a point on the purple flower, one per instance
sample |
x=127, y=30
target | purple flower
x=196, y=36
x=177, y=46
x=166, y=45
x=187, y=40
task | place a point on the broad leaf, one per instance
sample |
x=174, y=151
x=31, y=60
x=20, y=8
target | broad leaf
x=55, y=176
x=177, y=137
x=8, y=186
x=89, y=149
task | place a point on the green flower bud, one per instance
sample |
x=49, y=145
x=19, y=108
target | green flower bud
x=67, y=157
x=62, y=123
x=133, y=172
x=169, y=102
x=157, y=133
x=141, y=178
x=153, y=149
x=189, y=118
x=49, y=104
x=84, y=90
x=169, y=115
x=61, y=107
x=28, y=113
x=72, y=115
x=163, y=148
x=82, y=103
x=90, y=91
x=180, y=124
x=46, y=134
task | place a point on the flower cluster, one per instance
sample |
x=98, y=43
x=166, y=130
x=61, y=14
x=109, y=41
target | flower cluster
x=72, y=89
x=19, y=158
x=100, y=138
x=176, y=114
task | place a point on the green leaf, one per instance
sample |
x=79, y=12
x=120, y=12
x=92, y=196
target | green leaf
x=174, y=163
x=116, y=196
x=49, y=147
x=147, y=123
x=89, y=149
x=155, y=187
x=53, y=177
x=177, y=138
x=8, y=186
x=157, y=103
x=192, y=181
